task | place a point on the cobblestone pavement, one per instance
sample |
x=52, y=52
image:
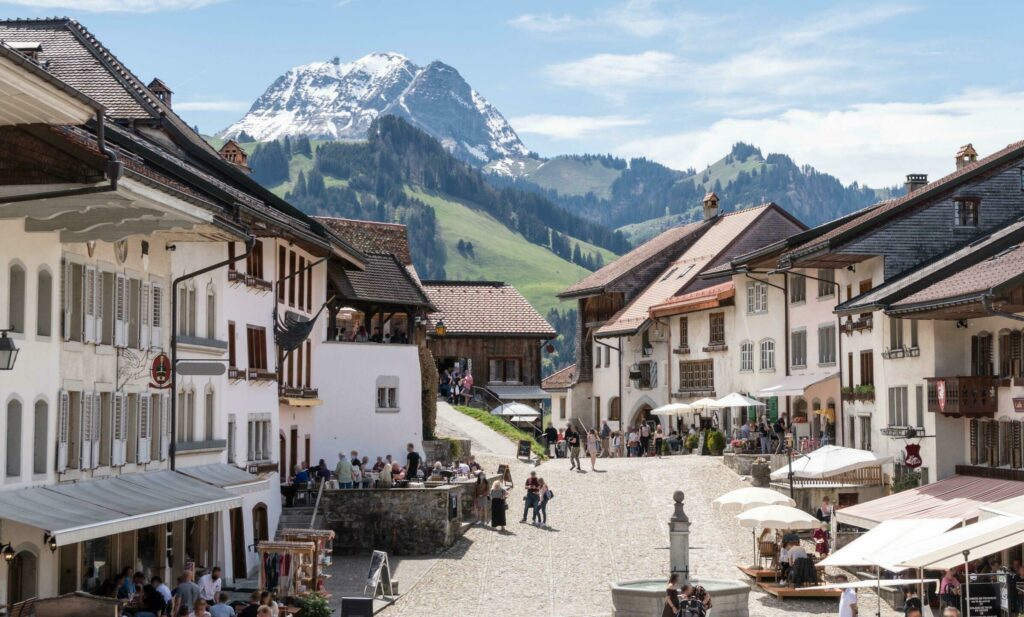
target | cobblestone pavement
x=609, y=525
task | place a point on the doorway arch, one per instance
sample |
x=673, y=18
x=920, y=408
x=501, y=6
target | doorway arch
x=642, y=412
x=260, y=526
x=22, y=577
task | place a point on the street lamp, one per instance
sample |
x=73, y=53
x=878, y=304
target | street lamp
x=440, y=329
x=8, y=553
x=8, y=351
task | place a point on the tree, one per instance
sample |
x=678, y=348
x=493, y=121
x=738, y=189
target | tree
x=269, y=164
x=245, y=138
x=299, y=190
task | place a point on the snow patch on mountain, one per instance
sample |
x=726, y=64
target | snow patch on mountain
x=334, y=100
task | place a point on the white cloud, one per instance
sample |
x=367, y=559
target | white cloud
x=543, y=23
x=123, y=6
x=571, y=127
x=875, y=143
x=609, y=72
x=211, y=106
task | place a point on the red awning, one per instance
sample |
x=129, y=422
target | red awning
x=959, y=497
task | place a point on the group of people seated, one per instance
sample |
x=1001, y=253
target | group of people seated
x=360, y=335
x=459, y=468
x=685, y=600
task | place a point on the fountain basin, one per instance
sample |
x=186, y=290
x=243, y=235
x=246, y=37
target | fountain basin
x=646, y=598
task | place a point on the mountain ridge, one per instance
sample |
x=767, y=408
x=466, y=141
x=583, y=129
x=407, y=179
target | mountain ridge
x=340, y=101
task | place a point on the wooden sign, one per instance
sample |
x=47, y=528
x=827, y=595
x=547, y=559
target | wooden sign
x=505, y=474
x=160, y=372
x=524, y=449
x=1018, y=405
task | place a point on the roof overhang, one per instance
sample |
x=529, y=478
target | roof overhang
x=30, y=95
x=710, y=298
x=796, y=385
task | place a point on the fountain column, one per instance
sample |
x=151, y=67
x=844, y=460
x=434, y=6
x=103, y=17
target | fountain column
x=679, y=540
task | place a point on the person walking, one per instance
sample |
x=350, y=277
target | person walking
x=540, y=515
x=480, y=492
x=606, y=441
x=499, y=504
x=210, y=584
x=532, y=498
x=645, y=438
x=573, y=439
x=848, y=600
x=659, y=438
x=551, y=436
x=592, y=440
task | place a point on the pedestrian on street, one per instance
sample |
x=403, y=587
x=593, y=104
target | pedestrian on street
x=480, y=491
x=540, y=515
x=848, y=600
x=499, y=504
x=573, y=439
x=532, y=498
x=645, y=438
x=659, y=438
x=592, y=440
x=551, y=435
x=606, y=442
x=210, y=584
x=671, y=597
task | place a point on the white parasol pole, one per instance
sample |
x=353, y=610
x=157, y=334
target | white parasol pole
x=967, y=586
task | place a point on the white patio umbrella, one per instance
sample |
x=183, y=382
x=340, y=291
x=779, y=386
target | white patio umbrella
x=515, y=409
x=735, y=399
x=830, y=461
x=777, y=517
x=750, y=497
x=673, y=409
x=703, y=403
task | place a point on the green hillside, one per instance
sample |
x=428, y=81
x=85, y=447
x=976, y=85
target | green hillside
x=499, y=253
x=575, y=176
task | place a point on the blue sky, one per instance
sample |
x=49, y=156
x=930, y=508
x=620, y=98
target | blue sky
x=866, y=91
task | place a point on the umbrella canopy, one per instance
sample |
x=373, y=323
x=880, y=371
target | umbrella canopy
x=829, y=461
x=515, y=409
x=673, y=409
x=751, y=497
x=777, y=517
x=892, y=537
x=869, y=583
x=736, y=399
x=703, y=403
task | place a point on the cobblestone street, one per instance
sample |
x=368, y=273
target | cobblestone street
x=609, y=525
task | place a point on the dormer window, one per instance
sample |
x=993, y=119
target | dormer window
x=966, y=211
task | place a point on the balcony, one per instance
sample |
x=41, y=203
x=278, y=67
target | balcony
x=963, y=396
x=290, y=392
x=861, y=324
x=236, y=374
x=236, y=276
x=716, y=346
x=260, y=374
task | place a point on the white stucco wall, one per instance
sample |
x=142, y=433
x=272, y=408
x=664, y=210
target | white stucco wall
x=347, y=375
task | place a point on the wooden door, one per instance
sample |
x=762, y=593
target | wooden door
x=238, y=567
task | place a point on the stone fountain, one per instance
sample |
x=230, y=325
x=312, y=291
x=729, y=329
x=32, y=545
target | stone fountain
x=646, y=598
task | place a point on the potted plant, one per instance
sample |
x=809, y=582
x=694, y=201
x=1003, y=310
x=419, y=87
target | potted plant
x=692, y=443
x=315, y=605
x=715, y=442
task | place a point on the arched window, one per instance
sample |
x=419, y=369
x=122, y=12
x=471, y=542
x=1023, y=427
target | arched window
x=208, y=413
x=211, y=312
x=16, y=299
x=767, y=355
x=44, y=304
x=260, y=529
x=747, y=356
x=39, y=439
x=14, y=438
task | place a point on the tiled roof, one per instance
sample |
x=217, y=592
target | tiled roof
x=723, y=232
x=559, y=380
x=934, y=271
x=879, y=211
x=383, y=281
x=973, y=280
x=622, y=266
x=484, y=308
x=371, y=236
x=709, y=297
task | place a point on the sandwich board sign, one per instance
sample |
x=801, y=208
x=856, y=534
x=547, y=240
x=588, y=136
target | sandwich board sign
x=379, y=577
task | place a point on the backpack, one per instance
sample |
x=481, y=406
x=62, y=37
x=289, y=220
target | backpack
x=691, y=607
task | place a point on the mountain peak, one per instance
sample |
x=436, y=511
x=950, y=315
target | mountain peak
x=335, y=100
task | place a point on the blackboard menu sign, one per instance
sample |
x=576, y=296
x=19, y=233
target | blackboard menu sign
x=988, y=596
x=505, y=475
x=524, y=449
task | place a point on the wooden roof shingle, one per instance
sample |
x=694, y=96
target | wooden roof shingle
x=484, y=308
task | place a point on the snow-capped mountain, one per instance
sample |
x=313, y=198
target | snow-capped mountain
x=331, y=100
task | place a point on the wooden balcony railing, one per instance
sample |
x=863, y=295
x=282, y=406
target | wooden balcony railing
x=301, y=392
x=261, y=374
x=862, y=323
x=962, y=396
x=236, y=374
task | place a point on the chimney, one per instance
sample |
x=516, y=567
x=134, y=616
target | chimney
x=915, y=181
x=965, y=156
x=160, y=91
x=710, y=206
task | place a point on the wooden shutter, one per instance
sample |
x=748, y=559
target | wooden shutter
x=156, y=322
x=165, y=425
x=63, y=426
x=65, y=299
x=974, y=429
x=121, y=311
x=85, y=436
x=118, y=450
x=1015, y=444
x=89, y=294
x=96, y=427
x=145, y=315
x=144, y=423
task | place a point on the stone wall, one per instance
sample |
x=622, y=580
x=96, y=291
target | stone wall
x=417, y=521
x=442, y=450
